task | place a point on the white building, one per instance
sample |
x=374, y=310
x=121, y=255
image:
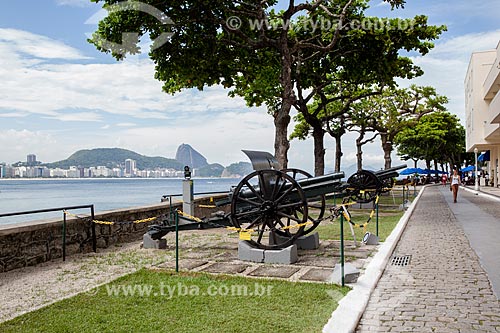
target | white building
x=482, y=106
x=130, y=167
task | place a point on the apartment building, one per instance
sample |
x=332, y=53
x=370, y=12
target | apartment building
x=482, y=106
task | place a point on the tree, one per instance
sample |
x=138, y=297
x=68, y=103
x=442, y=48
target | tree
x=239, y=45
x=396, y=108
x=365, y=61
x=438, y=136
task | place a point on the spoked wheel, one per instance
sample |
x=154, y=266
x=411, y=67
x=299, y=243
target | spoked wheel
x=315, y=205
x=270, y=201
x=364, y=186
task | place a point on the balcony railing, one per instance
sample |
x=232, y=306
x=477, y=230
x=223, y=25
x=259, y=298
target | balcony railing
x=494, y=110
x=492, y=83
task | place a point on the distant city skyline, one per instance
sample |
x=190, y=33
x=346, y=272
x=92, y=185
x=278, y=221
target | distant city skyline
x=62, y=95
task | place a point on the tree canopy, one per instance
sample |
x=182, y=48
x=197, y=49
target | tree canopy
x=266, y=56
x=438, y=136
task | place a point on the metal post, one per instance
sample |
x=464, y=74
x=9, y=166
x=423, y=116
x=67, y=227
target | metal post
x=94, y=239
x=64, y=236
x=476, y=178
x=342, y=248
x=170, y=212
x=404, y=199
x=377, y=218
x=176, y=241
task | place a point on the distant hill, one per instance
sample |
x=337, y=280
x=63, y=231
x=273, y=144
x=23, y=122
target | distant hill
x=187, y=155
x=114, y=157
x=210, y=170
x=239, y=169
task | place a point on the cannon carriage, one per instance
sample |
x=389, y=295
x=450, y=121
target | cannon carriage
x=288, y=203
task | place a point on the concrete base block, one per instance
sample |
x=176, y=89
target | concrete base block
x=405, y=205
x=370, y=239
x=150, y=243
x=247, y=252
x=286, y=256
x=351, y=274
x=307, y=242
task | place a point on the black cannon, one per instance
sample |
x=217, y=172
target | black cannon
x=366, y=185
x=289, y=203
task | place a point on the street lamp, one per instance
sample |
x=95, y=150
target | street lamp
x=476, y=178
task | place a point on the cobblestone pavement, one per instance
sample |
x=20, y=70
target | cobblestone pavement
x=442, y=289
x=483, y=203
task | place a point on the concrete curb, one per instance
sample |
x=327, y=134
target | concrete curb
x=347, y=315
x=480, y=193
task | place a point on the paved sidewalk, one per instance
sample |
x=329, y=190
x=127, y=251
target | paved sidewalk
x=443, y=288
x=479, y=217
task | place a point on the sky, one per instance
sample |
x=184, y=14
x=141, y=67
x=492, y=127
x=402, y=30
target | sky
x=58, y=94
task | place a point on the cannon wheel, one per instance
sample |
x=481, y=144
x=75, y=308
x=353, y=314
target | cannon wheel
x=268, y=200
x=317, y=203
x=387, y=185
x=364, y=186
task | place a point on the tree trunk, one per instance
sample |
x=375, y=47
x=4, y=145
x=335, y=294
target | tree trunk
x=338, y=152
x=319, y=150
x=281, y=143
x=359, y=150
x=282, y=116
x=387, y=148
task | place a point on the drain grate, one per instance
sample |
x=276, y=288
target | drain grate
x=401, y=261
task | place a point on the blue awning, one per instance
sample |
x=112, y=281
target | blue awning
x=467, y=169
x=410, y=171
x=485, y=156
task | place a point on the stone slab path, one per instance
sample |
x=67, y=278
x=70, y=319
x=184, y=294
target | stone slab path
x=443, y=287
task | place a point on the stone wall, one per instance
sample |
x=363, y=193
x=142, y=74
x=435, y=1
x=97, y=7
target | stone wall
x=31, y=243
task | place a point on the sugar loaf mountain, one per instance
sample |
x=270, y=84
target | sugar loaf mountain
x=185, y=155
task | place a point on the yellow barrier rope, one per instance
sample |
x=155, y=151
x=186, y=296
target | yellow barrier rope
x=194, y=218
x=296, y=225
x=103, y=222
x=149, y=219
x=347, y=216
x=145, y=220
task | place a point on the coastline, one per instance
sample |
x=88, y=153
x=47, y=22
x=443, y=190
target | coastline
x=28, y=194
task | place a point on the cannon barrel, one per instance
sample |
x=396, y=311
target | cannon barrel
x=389, y=173
x=319, y=180
x=312, y=187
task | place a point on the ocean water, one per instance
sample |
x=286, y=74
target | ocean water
x=18, y=195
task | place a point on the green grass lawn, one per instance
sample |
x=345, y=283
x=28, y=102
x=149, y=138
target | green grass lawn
x=188, y=302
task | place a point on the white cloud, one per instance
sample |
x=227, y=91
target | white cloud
x=382, y=4
x=446, y=65
x=38, y=46
x=17, y=144
x=125, y=88
x=77, y=116
x=461, y=47
x=74, y=3
x=219, y=137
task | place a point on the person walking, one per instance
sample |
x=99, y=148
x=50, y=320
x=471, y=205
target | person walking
x=444, y=179
x=455, y=181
